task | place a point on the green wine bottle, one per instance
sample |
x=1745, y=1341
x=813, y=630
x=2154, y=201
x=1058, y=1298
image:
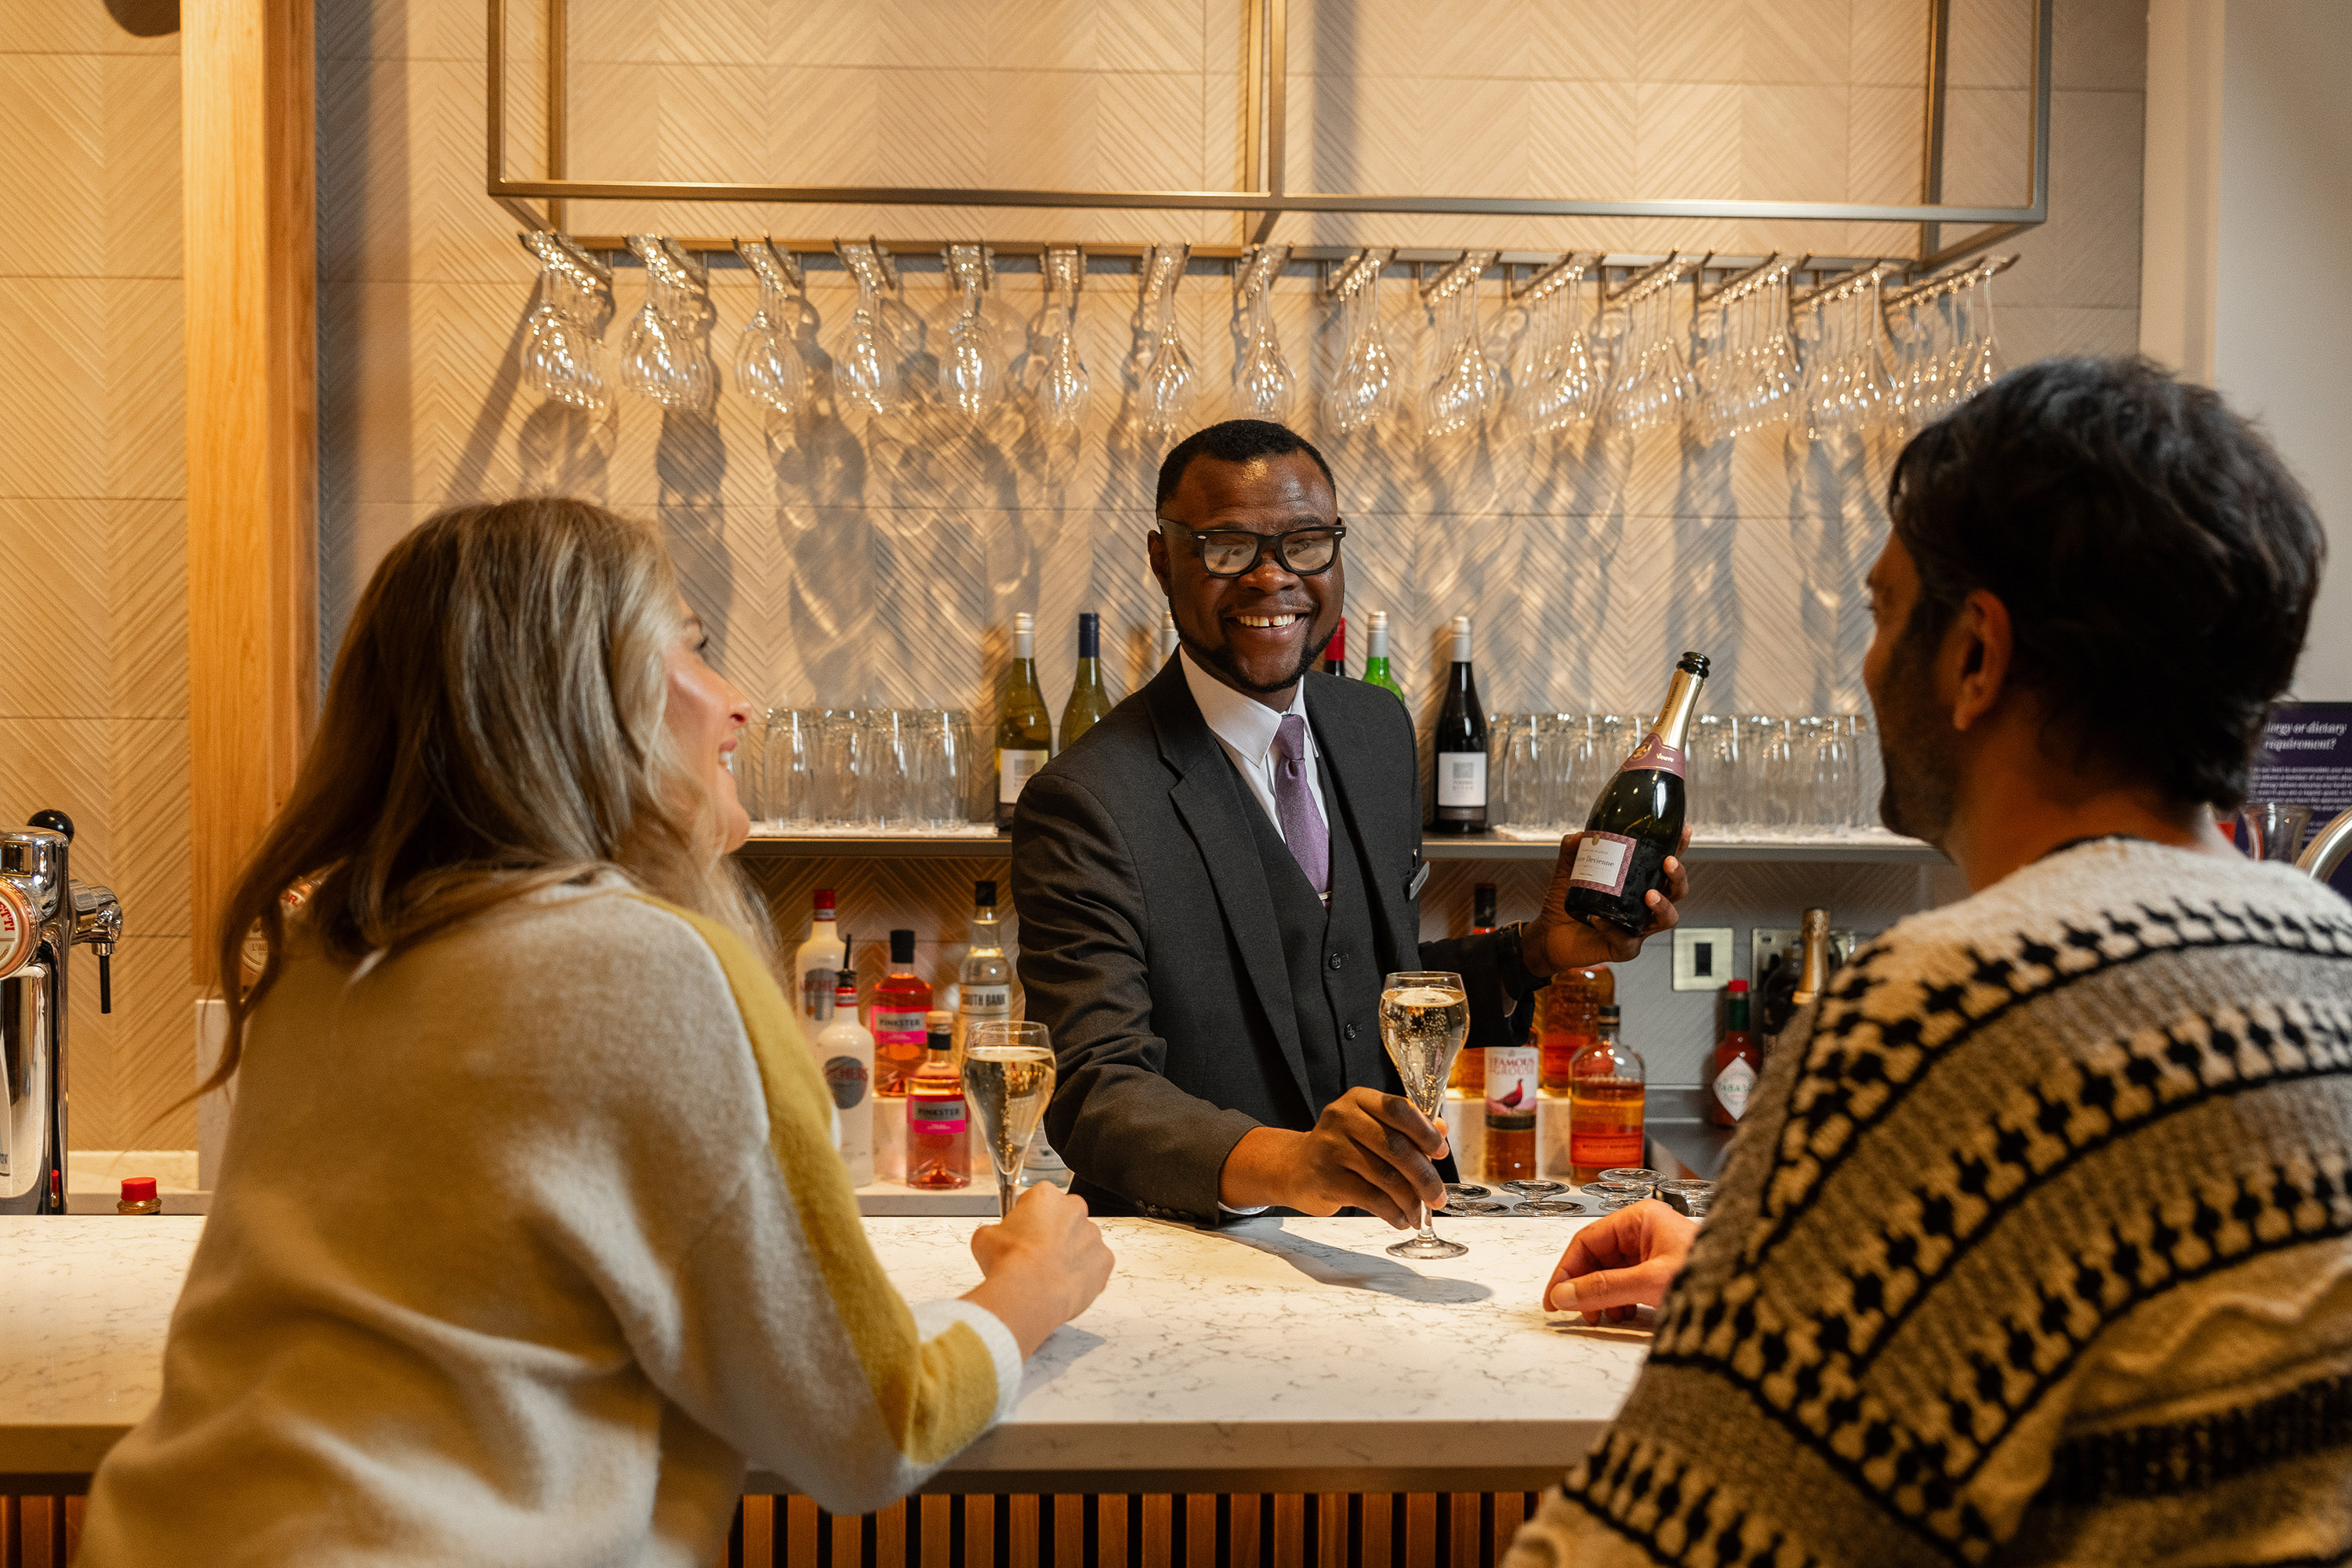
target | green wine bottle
x=1376, y=663
x=1637, y=821
x=1089, y=702
x=1024, y=731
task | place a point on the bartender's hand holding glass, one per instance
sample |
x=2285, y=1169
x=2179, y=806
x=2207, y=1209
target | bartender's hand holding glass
x=1621, y=1261
x=1367, y=1150
x=1557, y=940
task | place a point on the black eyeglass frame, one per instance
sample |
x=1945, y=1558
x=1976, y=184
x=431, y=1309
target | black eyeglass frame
x=1280, y=542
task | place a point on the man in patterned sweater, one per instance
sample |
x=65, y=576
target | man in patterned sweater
x=2035, y=1245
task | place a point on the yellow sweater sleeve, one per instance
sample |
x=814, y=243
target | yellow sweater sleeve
x=931, y=1394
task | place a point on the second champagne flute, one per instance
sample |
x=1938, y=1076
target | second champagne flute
x=1008, y=1076
x=1425, y=1016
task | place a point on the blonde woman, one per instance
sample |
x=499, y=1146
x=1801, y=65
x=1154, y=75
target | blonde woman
x=530, y=1232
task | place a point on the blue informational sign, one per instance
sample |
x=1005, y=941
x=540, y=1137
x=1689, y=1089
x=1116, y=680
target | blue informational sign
x=2306, y=757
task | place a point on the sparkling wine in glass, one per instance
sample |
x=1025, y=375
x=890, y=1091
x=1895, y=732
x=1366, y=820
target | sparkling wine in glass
x=1425, y=1015
x=1008, y=1076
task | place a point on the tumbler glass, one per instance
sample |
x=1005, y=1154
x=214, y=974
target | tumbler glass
x=882, y=782
x=936, y=769
x=789, y=767
x=842, y=752
x=2282, y=824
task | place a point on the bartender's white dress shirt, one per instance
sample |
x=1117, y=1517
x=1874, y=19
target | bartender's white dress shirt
x=1246, y=729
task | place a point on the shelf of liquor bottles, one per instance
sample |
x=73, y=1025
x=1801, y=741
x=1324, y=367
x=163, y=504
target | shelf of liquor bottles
x=1856, y=847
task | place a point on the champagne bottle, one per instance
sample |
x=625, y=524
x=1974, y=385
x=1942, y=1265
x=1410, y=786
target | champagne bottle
x=1088, y=702
x=1637, y=821
x=1814, y=972
x=1335, y=653
x=1461, y=791
x=1024, y=733
x=1376, y=663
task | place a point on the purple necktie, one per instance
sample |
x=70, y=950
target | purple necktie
x=1294, y=805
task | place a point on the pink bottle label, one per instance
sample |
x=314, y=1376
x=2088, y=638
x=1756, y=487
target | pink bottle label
x=941, y=1118
x=894, y=1027
x=1654, y=753
x=1601, y=861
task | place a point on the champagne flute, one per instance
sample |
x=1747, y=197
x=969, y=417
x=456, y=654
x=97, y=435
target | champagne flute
x=1008, y=1076
x=1425, y=1015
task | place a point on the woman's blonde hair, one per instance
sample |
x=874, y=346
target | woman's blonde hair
x=494, y=726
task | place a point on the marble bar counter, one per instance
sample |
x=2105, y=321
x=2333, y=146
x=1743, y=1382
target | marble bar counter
x=1282, y=1355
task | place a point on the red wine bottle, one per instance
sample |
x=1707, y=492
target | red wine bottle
x=1461, y=782
x=1637, y=821
x=1334, y=652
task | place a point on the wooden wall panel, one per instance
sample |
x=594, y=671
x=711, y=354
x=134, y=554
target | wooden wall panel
x=247, y=105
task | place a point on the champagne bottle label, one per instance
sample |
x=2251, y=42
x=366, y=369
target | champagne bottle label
x=1601, y=861
x=1512, y=1075
x=1462, y=779
x=939, y=1117
x=1732, y=1086
x=846, y=1078
x=1654, y=753
x=1014, y=772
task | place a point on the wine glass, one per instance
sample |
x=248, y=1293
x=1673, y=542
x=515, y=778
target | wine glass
x=1008, y=1076
x=972, y=371
x=1066, y=389
x=1263, y=382
x=1167, y=382
x=1425, y=1015
x=666, y=356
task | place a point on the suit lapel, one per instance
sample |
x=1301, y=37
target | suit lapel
x=1380, y=806
x=1210, y=799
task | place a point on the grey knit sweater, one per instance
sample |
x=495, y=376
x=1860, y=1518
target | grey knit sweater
x=2038, y=1249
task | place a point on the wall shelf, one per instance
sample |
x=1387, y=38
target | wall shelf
x=1881, y=849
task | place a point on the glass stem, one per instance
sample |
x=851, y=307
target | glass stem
x=1428, y=1224
x=1008, y=1188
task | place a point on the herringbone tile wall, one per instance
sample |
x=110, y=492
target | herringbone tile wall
x=844, y=559
x=93, y=703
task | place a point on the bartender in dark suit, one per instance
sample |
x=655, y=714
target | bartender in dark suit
x=1214, y=880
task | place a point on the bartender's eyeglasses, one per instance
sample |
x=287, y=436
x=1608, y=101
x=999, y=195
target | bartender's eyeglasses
x=1235, y=552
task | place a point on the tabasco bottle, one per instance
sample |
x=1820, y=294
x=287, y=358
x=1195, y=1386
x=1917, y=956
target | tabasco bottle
x=1738, y=1061
x=1607, y=1085
x=1569, y=1019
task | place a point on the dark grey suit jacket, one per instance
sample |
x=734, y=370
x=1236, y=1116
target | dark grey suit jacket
x=1149, y=944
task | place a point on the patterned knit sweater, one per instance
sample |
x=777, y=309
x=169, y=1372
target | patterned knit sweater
x=2036, y=1249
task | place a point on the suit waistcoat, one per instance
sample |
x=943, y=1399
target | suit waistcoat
x=1328, y=954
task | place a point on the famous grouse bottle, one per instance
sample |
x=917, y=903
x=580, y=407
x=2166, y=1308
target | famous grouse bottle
x=1638, y=820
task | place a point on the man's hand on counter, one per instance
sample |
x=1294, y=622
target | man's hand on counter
x=1045, y=1263
x=1367, y=1150
x=1556, y=940
x=1621, y=1261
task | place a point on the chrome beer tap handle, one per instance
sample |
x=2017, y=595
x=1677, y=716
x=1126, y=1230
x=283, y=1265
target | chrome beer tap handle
x=98, y=921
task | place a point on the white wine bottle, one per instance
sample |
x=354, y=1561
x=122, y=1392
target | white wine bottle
x=1024, y=731
x=1461, y=768
x=1089, y=702
x=1637, y=821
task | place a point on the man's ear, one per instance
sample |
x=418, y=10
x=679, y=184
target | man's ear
x=1976, y=656
x=1155, y=548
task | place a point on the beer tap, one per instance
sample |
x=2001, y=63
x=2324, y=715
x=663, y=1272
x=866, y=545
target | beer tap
x=44, y=913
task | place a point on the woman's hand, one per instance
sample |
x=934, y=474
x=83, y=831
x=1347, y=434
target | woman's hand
x=1043, y=1264
x=1619, y=1261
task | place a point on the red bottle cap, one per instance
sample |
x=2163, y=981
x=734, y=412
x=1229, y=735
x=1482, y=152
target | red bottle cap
x=823, y=898
x=1737, y=988
x=137, y=1189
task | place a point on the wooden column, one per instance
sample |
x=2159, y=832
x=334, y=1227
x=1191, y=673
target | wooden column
x=251, y=266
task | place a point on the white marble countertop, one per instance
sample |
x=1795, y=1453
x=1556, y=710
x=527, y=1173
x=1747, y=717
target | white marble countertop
x=1277, y=1354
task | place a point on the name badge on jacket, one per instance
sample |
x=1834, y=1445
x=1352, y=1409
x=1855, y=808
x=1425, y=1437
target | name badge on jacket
x=1412, y=884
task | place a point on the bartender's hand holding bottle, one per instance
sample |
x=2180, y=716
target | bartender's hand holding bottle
x=1045, y=1263
x=1621, y=1261
x=1367, y=1150
x=1556, y=940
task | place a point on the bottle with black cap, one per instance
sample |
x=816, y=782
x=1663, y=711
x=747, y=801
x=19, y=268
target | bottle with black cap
x=984, y=978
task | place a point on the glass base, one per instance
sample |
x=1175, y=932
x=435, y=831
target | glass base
x=1427, y=1247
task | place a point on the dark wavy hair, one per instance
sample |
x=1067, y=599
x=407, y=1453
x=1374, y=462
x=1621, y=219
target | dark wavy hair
x=2156, y=559
x=1236, y=441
